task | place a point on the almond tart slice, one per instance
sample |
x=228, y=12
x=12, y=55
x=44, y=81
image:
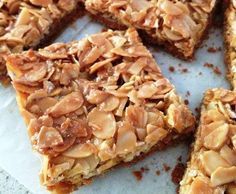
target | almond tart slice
x=31, y=23
x=212, y=168
x=94, y=103
x=179, y=26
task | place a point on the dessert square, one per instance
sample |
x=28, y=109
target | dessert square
x=212, y=167
x=179, y=26
x=28, y=23
x=95, y=103
x=230, y=40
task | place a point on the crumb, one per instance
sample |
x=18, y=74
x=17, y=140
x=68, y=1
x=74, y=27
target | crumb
x=214, y=49
x=200, y=73
x=179, y=64
x=197, y=110
x=186, y=102
x=171, y=69
x=177, y=173
x=185, y=70
x=188, y=93
x=217, y=71
x=104, y=29
x=179, y=159
x=166, y=167
x=158, y=172
x=209, y=65
x=144, y=169
x=138, y=175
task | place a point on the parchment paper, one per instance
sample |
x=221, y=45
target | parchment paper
x=17, y=158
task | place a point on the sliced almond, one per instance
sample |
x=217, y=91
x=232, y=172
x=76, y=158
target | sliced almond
x=80, y=151
x=228, y=154
x=217, y=137
x=96, y=96
x=126, y=139
x=110, y=104
x=69, y=103
x=103, y=123
x=137, y=116
x=211, y=160
x=223, y=176
x=200, y=186
x=156, y=135
x=147, y=90
x=49, y=137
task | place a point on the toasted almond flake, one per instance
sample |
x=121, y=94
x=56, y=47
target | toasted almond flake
x=200, y=186
x=223, y=176
x=138, y=65
x=234, y=141
x=92, y=56
x=120, y=110
x=147, y=90
x=118, y=41
x=69, y=103
x=100, y=64
x=110, y=104
x=49, y=137
x=126, y=139
x=96, y=96
x=36, y=74
x=211, y=160
x=23, y=17
x=43, y=3
x=155, y=136
x=45, y=103
x=170, y=8
x=141, y=133
x=137, y=120
x=102, y=123
x=80, y=151
x=217, y=137
x=207, y=129
x=228, y=154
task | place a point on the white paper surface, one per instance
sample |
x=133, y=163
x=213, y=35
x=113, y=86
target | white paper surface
x=16, y=155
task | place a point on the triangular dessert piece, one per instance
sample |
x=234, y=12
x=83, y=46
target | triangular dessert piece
x=212, y=168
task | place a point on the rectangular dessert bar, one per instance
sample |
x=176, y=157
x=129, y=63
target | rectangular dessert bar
x=178, y=25
x=230, y=40
x=28, y=23
x=212, y=168
x=94, y=103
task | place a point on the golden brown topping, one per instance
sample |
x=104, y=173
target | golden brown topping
x=102, y=99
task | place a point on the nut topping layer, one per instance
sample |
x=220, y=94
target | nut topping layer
x=212, y=168
x=24, y=24
x=94, y=103
x=179, y=24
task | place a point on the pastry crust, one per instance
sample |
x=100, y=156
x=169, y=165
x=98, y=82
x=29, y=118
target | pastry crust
x=179, y=26
x=212, y=167
x=95, y=103
x=32, y=23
